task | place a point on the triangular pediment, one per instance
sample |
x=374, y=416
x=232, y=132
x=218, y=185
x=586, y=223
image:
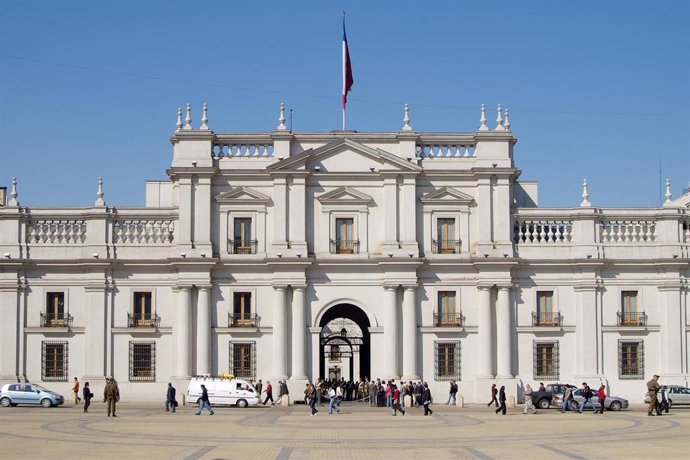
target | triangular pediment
x=345, y=195
x=345, y=155
x=446, y=195
x=241, y=195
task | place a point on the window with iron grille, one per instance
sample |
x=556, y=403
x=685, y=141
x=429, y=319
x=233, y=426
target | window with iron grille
x=546, y=360
x=243, y=359
x=54, y=362
x=142, y=361
x=447, y=354
x=631, y=359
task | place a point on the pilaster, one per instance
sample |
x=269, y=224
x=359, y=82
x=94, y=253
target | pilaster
x=390, y=332
x=203, y=331
x=279, y=333
x=409, y=319
x=485, y=335
x=298, y=334
x=504, y=339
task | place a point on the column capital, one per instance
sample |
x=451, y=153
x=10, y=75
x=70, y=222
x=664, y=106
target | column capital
x=410, y=287
x=183, y=287
x=507, y=287
x=280, y=287
x=485, y=287
x=390, y=287
x=299, y=287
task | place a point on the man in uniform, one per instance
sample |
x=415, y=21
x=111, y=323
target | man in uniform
x=652, y=389
x=111, y=394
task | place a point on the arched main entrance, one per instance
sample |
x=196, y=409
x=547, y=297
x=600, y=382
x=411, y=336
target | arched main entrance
x=345, y=336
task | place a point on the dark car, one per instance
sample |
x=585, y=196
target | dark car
x=554, y=392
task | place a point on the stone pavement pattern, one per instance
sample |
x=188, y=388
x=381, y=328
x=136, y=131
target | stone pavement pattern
x=359, y=431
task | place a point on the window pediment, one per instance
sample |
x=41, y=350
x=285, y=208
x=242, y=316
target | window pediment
x=446, y=196
x=345, y=196
x=243, y=195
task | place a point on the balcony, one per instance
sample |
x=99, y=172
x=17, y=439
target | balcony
x=53, y=320
x=547, y=319
x=631, y=319
x=239, y=320
x=449, y=320
x=445, y=246
x=138, y=320
x=344, y=246
x=242, y=247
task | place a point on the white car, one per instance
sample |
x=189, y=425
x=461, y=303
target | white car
x=224, y=392
x=679, y=395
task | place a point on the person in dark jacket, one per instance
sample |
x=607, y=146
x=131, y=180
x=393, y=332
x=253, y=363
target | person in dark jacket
x=204, y=402
x=170, y=401
x=494, y=393
x=86, y=396
x=426, y=399
x=502, y=400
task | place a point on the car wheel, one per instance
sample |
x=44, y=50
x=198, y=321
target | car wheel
x=5, y=402
x=242, y=403
x=544, y=403
x=616, y=405
x=45, y=402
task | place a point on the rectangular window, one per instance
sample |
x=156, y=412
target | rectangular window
x=445, y=232
x=631, y=359
x=545, y=313
x=344, y=235
x=54, y=361
x=243, y=360
x=243, y=243
x=447, y=360
x=142, y=361
x=141, y=311
x=55, y=309
x=546, y=360
x=629, y=313
x=446, y=309
x=242, y=309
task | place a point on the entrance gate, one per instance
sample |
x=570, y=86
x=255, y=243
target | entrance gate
x=344, y=337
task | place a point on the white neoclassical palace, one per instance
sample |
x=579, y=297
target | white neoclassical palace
x=282, y=255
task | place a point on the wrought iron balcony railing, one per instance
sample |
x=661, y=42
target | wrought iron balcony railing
x=344, y=246
x=242, y=246
x=238, y=320
x=445, y=246
x=138, y=320
x=449, y=320
x=53, y=320
x=631, y=318
x=551, y=318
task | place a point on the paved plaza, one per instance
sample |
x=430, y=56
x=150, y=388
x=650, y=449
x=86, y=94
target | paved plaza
x=359, y=431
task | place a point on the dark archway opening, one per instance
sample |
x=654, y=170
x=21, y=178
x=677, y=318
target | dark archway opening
x=357, y=315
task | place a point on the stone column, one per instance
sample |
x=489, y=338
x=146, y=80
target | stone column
x=203, y=331
x=9, y=300
x=299, y=333
x=279, y=333
x=95, y=339
x=184, y=304
x=390, y=333
x=586, y=330
x=671, y=333
x=504, y=327
x=485, y=336
x=409, y=319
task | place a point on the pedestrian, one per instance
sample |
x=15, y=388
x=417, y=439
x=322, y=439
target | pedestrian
x=653, y=388
x=567, y=399
x=502, y=399
x=529, y=405
x=333, y=399
x=204, y=403
x=311, y=399
x=451, y=393
x=494, y=392
x=601, y=396
x=111, y=395
x=372, y=393
x=339, y=395
x=259, y=386
x=75, y=390
x=396, y=401
x=86, y=393
x=426, y=399
x=587, y=394
x=664, y=404
x=541, y=386
x=170, y=401
x=269, y=393
x=389, y=394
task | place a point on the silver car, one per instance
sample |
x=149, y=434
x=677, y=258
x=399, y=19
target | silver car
x=678, y=395
x=610, y=403
x=28, y=393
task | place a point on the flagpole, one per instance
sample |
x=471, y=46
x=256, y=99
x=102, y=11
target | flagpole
x=343, y=72
x=343, y=118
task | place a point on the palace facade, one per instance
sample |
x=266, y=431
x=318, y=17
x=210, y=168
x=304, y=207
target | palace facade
x=283, y=255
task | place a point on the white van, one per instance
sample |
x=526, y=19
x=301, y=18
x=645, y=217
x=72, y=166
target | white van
x=223, y=391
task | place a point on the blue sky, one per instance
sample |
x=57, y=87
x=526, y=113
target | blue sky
x=596, y=90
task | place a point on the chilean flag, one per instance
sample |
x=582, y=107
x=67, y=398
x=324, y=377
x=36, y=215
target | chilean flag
x=347, y=68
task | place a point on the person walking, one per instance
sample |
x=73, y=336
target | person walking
x=494, y=392
x=601, y=396
x=587, y=394
x=204, y=403
x=396, y=401
x=567, y=400
x=282, y=391
x=653, y=388
x=529, y=405
x=452, y=393
x=339, y=394
x=426, y=399
x=86, y=393
x=269, y=393
x=333, y=395
x=111, y=395
x=541, y=386
x=259, y=386
x=75, y=390
x=502, y=399
x=170, y=401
